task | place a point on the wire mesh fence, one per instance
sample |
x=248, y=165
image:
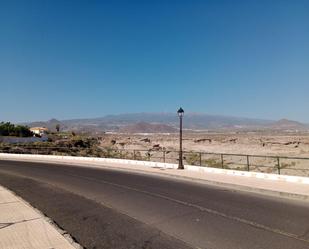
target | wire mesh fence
x=298, y=166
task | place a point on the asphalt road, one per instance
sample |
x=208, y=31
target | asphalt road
x=103, y=208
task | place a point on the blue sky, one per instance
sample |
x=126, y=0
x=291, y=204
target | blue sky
x=71, y=59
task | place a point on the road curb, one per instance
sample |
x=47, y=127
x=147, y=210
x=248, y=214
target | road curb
x=165, y=166
x=64, y=236
x=272, y=177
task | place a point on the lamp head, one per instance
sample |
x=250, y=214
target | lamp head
x=180, y=112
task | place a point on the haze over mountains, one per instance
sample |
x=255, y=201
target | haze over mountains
x=168, y=123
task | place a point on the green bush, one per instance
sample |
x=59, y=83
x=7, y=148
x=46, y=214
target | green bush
x=8, y=129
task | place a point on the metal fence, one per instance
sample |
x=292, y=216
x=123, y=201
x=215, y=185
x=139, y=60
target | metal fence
x=258, y=163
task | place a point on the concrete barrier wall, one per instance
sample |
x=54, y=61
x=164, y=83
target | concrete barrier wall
x=272, y=177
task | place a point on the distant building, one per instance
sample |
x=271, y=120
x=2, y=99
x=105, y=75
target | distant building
x=39, y=130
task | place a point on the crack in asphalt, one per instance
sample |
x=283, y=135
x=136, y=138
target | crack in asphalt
x=149, y=241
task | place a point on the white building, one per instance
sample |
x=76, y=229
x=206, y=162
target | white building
x=39, y=130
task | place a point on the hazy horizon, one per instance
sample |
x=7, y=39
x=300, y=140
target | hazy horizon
x=155, y=113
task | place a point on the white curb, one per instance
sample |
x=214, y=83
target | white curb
x=271, y=177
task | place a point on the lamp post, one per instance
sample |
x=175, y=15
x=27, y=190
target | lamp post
x=180, y=113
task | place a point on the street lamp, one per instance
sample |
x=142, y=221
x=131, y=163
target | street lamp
x=180, y=113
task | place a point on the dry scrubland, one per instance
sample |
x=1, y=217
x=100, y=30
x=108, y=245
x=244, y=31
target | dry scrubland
x=256, y=144
x=283, y=145
x=164, y=147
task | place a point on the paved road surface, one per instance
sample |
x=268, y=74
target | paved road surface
x=99, y=207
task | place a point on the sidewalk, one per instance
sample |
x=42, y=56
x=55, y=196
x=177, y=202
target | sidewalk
x=23, y=227
x=269, y=184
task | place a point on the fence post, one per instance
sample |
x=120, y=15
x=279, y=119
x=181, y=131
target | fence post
x=222, y=161
x=164, y=156
x=278, y=161
x=200, y=159
x=248, y=163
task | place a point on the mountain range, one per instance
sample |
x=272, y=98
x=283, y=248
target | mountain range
x=168, y=122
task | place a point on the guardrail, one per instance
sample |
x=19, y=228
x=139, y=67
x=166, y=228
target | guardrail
x=298, y=166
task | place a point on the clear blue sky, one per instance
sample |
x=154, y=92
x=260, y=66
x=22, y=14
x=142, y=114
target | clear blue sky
x=71, y=59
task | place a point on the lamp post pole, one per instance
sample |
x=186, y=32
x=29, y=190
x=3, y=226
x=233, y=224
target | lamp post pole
x=180, y=114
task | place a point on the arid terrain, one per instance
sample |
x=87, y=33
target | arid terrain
x=154, y=136
x=259, y=145
x=242, y=143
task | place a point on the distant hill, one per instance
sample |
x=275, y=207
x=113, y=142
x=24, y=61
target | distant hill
x=191, y=120
x=167, y=122
x=50, y=124
x=143, y=127
x=286, y=124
